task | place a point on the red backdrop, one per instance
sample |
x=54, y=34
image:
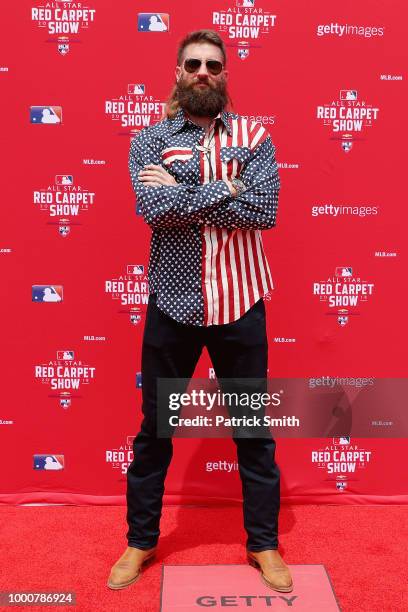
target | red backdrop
x=328, y=83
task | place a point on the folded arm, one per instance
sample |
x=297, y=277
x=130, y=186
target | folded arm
x=256, y=207
x=166, y=206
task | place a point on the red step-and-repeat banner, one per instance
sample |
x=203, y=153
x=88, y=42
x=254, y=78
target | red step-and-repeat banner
x=78, y=80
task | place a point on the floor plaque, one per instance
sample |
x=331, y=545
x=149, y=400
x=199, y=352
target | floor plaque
x=193, y=588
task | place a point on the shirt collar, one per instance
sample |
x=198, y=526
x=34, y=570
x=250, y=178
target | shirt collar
x=180, y=120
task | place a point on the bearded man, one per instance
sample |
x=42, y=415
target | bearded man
x=207, y=183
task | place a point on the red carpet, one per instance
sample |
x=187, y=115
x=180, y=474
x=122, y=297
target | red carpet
x=364, y=549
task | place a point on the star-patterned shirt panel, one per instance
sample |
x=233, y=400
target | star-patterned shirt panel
x=207, y=264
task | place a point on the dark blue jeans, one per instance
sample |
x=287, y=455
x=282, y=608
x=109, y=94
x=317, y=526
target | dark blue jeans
x=172, y=349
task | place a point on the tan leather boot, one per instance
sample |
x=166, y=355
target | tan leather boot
x=128, y=568
x=274, y=571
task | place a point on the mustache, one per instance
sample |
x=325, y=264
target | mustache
x=199, y=82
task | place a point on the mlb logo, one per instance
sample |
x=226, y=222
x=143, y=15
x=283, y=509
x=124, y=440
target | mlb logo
x=64, y=228
x=347, y=142
x=153, y=22
x=135, y=318
x=63, y=45
x=46, y=293
x=341, y=440
x=135, y=269
x=342, y=320
x=65, y=355
x=63, y=48
x=65, y=402
x=343, y=271
x=348, y=94
x=243, y=49
x=48, y=462
x=136, y=88
x=243, y=53
x=247, y=3
x=46, y=114
x=64, y=179
x=138, y=380
x=340, y=486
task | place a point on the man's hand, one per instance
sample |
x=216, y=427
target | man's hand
x=154, y=176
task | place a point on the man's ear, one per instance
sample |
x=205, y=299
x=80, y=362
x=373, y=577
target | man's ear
x=177, y=72
x=226, y=73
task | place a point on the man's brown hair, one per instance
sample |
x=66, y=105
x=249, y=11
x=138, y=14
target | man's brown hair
x=202, y=36
x=198, y=36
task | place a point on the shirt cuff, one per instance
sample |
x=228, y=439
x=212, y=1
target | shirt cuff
x=216, y=192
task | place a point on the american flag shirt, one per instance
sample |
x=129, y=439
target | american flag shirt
x=207, y=263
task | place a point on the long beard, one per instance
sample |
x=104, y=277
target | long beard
x=202, y=102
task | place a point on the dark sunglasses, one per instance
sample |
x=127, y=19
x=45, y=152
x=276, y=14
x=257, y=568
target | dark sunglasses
x=213, y=66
